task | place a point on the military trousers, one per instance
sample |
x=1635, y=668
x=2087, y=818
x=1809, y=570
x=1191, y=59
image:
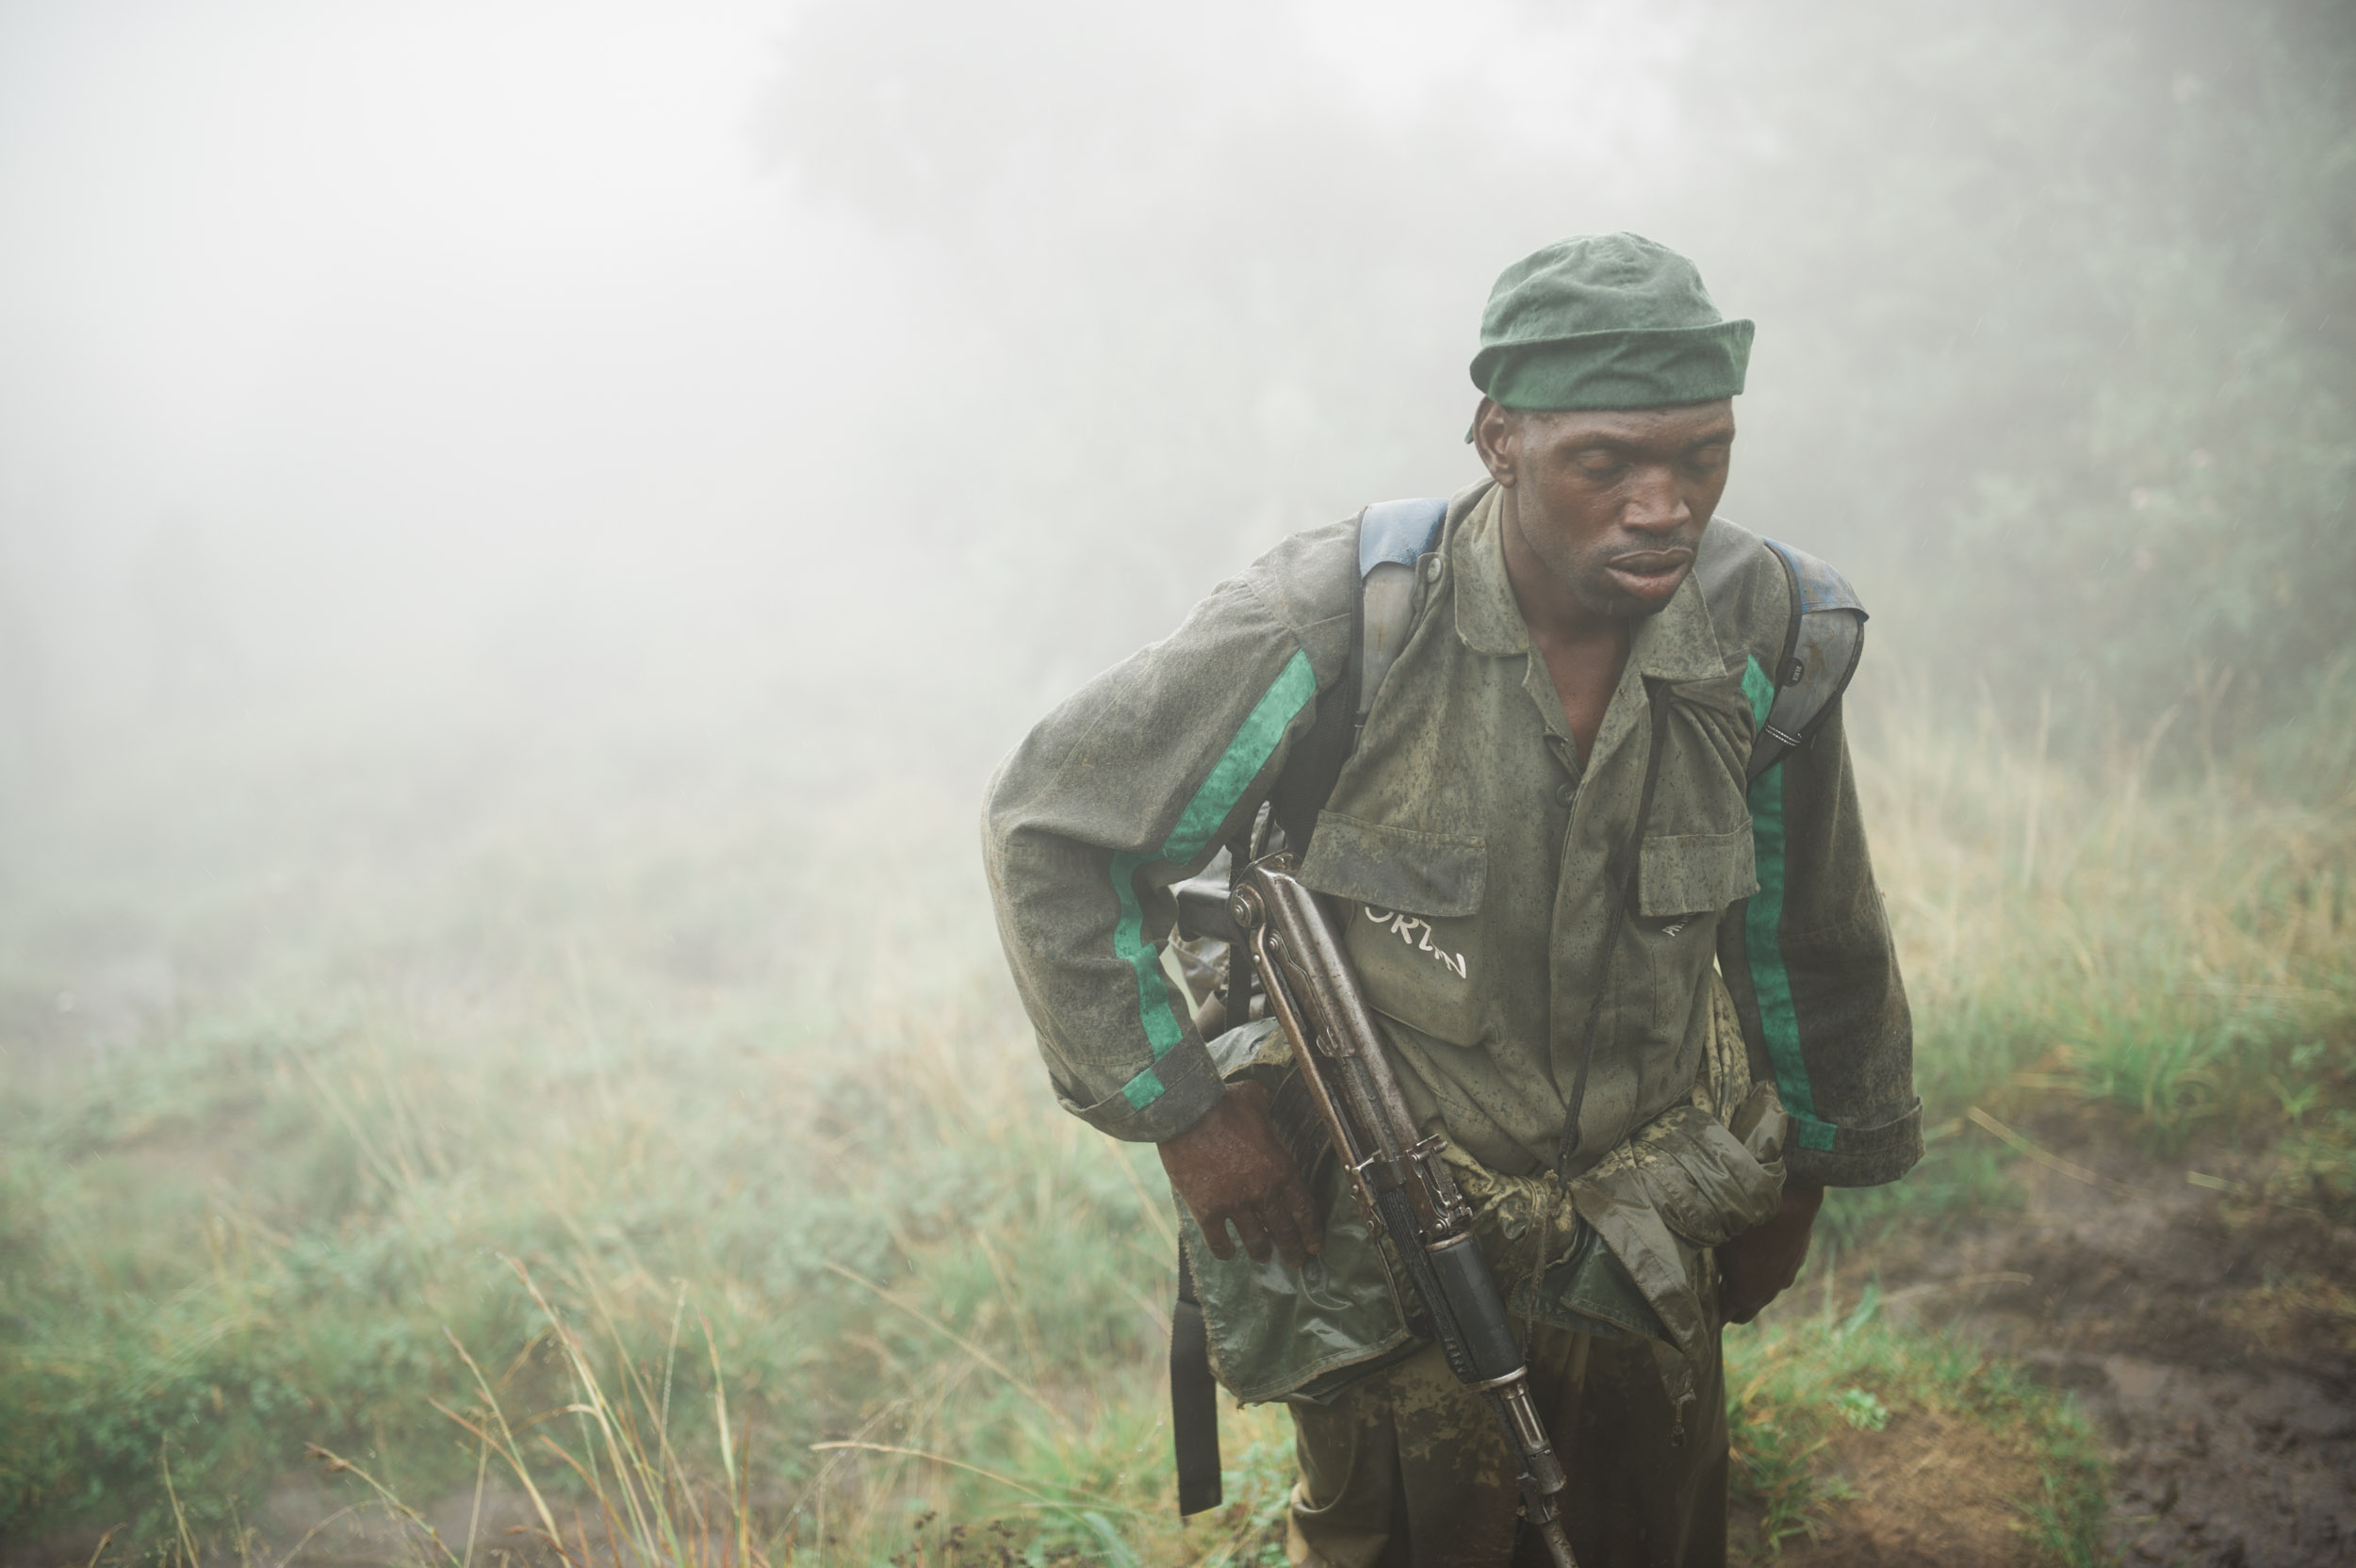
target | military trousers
x=1407, y=1469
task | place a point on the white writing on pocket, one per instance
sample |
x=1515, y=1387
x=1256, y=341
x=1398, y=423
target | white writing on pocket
x=1416, y=933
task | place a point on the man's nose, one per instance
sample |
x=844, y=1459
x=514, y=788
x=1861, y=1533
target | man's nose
x=1656, y=503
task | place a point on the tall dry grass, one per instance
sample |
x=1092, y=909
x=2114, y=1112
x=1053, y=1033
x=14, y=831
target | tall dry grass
x=2171, y=936
x=759, y=1075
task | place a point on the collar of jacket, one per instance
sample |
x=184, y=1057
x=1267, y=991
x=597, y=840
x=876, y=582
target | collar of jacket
x=1679, y=644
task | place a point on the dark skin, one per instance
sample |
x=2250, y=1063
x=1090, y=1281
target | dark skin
x=1230, y=1168
x=1602, y=514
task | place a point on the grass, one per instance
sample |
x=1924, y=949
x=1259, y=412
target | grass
x=259, y=1235
x=2179, y=953
x=1803, y=1379
x=675, y=1181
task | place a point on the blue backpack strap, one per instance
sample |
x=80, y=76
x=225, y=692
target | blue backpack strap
x=1401, y=532
x=1820, y=649
x=1392, y=537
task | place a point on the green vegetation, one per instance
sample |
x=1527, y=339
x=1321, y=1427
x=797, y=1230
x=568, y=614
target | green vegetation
x=849, y=1282
x=1800, y=1381
x=2179, y=953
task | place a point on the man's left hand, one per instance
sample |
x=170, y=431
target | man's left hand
x=1760, y=1264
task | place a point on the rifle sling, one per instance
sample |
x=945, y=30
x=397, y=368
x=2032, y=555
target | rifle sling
x=1193, y=1401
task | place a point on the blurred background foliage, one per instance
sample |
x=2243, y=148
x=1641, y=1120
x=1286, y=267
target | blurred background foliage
x=2055, y=301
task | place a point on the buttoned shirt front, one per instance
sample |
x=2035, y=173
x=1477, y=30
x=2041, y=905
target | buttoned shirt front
x=1481, y=869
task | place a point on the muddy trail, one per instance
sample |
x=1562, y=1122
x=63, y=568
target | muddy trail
x=2209, y=1337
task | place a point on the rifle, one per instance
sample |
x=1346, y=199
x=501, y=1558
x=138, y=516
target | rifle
x=1401, y=1185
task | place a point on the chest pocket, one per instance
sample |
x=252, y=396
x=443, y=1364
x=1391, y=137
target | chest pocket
x=1699, y=787
x=1697, y=855
x=1409, y=905
x=1683, y=882
x=1695, y=873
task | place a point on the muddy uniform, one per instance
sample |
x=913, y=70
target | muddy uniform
x=1466, y=844
x=1475, y=859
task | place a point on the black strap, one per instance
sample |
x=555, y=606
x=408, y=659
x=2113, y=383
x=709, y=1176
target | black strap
x=1821, y=647
x=1193, y=1401
x=1622, y=875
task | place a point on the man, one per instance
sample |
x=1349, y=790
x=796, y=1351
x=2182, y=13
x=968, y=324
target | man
x=1584, y=935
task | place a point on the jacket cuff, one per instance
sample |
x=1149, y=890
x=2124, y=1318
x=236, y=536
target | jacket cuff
x=1857, y=1156
x=1160, y=1103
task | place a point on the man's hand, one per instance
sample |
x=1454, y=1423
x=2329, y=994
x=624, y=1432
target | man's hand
x=1229, y=1166
x=1760, y=1264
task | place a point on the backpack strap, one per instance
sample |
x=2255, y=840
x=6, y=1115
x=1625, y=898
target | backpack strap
x=1393, y=536
x=1820, y=649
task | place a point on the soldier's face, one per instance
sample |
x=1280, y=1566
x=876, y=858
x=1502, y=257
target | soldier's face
x=1611, y=505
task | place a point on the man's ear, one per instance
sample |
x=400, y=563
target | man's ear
x=1496, y=435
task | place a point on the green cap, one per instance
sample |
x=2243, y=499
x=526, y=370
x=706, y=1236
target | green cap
x=1607, y=320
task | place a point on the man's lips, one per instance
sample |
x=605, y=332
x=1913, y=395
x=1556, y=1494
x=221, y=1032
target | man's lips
x=1650, y=574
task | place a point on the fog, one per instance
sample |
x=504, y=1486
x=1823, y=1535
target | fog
x=524, y=528
x=845, y=382
x=353, y=354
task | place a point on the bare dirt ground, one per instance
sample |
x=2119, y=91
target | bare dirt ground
x=2211, y=1338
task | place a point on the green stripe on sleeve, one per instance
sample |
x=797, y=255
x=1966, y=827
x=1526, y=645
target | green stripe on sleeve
x=1762, y=919
x=1293, y=689
x=1144, y=1089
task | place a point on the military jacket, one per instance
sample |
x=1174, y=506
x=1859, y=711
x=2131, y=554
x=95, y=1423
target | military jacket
x=1472, y=852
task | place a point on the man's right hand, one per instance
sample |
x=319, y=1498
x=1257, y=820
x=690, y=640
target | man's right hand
x=1229, y=1166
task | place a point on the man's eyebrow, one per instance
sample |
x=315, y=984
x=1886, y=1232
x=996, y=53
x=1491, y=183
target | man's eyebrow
x=1624, y=446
